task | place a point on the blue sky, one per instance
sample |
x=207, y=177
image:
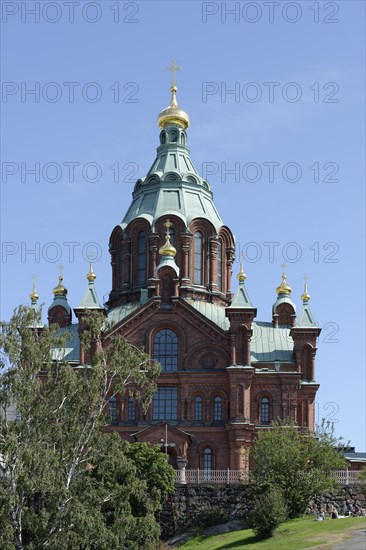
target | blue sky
x=291, y=133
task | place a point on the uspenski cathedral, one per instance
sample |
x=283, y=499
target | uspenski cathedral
x=225, y=375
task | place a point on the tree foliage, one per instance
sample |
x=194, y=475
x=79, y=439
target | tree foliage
x=64, y=483
x=269, y=511
x=299, y=465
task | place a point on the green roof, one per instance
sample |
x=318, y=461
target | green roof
x=172, y=186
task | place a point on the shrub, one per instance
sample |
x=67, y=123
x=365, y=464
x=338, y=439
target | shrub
x=268, y=513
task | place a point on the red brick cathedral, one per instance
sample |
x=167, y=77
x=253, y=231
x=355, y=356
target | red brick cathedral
x=224, y=374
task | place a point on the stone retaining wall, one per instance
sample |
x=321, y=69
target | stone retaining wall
x=197, y=507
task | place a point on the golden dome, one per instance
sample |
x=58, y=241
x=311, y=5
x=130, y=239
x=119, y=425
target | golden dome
x=33, y=295
x=91, y=276
x=283, y=288
x=173, y=114
x=241, y=275
x=305, y=297
x=60, y=290
x=167, y=249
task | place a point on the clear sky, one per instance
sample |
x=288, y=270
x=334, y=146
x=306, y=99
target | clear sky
x=275, y=93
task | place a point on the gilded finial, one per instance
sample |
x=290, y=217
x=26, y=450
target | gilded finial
x=241, y=275
x=305, y=296
x=283, y=288
x=167, y=249
x=173, y=115
x=174, y=68
x=60, y=290
x=91, y=276
x=33, y=295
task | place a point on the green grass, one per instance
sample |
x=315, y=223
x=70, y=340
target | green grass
x=292, y=535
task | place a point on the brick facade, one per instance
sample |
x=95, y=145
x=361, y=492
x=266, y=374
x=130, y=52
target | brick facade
x=225, y=376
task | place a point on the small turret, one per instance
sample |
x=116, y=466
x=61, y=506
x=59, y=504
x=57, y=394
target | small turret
x=59, y=311
x=284, y=309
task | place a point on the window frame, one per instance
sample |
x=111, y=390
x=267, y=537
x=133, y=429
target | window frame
x=165, y=409
x=141, y=257
x=166, y=359
x=198, y=267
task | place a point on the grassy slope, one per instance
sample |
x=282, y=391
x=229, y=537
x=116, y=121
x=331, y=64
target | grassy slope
x=292, y=535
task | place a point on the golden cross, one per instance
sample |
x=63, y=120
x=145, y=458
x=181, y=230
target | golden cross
x=174, y=68
x=306, y=278
x=60, y=267
x=168, y=224
x=34, y=279
x=283, y=265
x=91, y=257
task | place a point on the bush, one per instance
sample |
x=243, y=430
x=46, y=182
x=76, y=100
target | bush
x=268, y=513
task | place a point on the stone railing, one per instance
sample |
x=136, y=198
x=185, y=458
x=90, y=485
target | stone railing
x=235, y=477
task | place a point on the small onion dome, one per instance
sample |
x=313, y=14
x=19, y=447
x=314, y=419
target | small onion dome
x=91, y=276
x=60, y=290
x=283, y=288
x=167, y=249
x=173, y=114
x=305, y=297
x=33, y=295
x=241, y=275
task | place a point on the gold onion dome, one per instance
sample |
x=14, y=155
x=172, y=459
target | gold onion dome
x=305, y=297
x=91, y=276
x=173, y=114
x=167, y=249
x=33, y=295
x=283, y=288
x=241, y=275
x=60, y=290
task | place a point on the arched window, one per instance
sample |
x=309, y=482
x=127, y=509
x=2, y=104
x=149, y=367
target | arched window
x=171, y=236
x=198, y=409
x=113, y=410
x=219, y=266
x=121, y=265
x=141, y=258
x=207, y=463
x=131, y=411
x=265, y=410
x=198, y=266
x=165, y=349
x=217, y=409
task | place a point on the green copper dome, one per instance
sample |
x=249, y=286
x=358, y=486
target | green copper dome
x=172, y=185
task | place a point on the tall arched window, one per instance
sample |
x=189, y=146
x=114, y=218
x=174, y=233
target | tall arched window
x=121, y=265
x=165, y=349
x=113, y=410
x=265, y=410
x=217, y=408
x=219, y=266
x=141, y=258
x=198, y=265
x=207, y=463
x=131, y=409
x=198, y=409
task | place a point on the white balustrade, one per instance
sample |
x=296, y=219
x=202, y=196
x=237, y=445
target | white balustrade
x=232, y=477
